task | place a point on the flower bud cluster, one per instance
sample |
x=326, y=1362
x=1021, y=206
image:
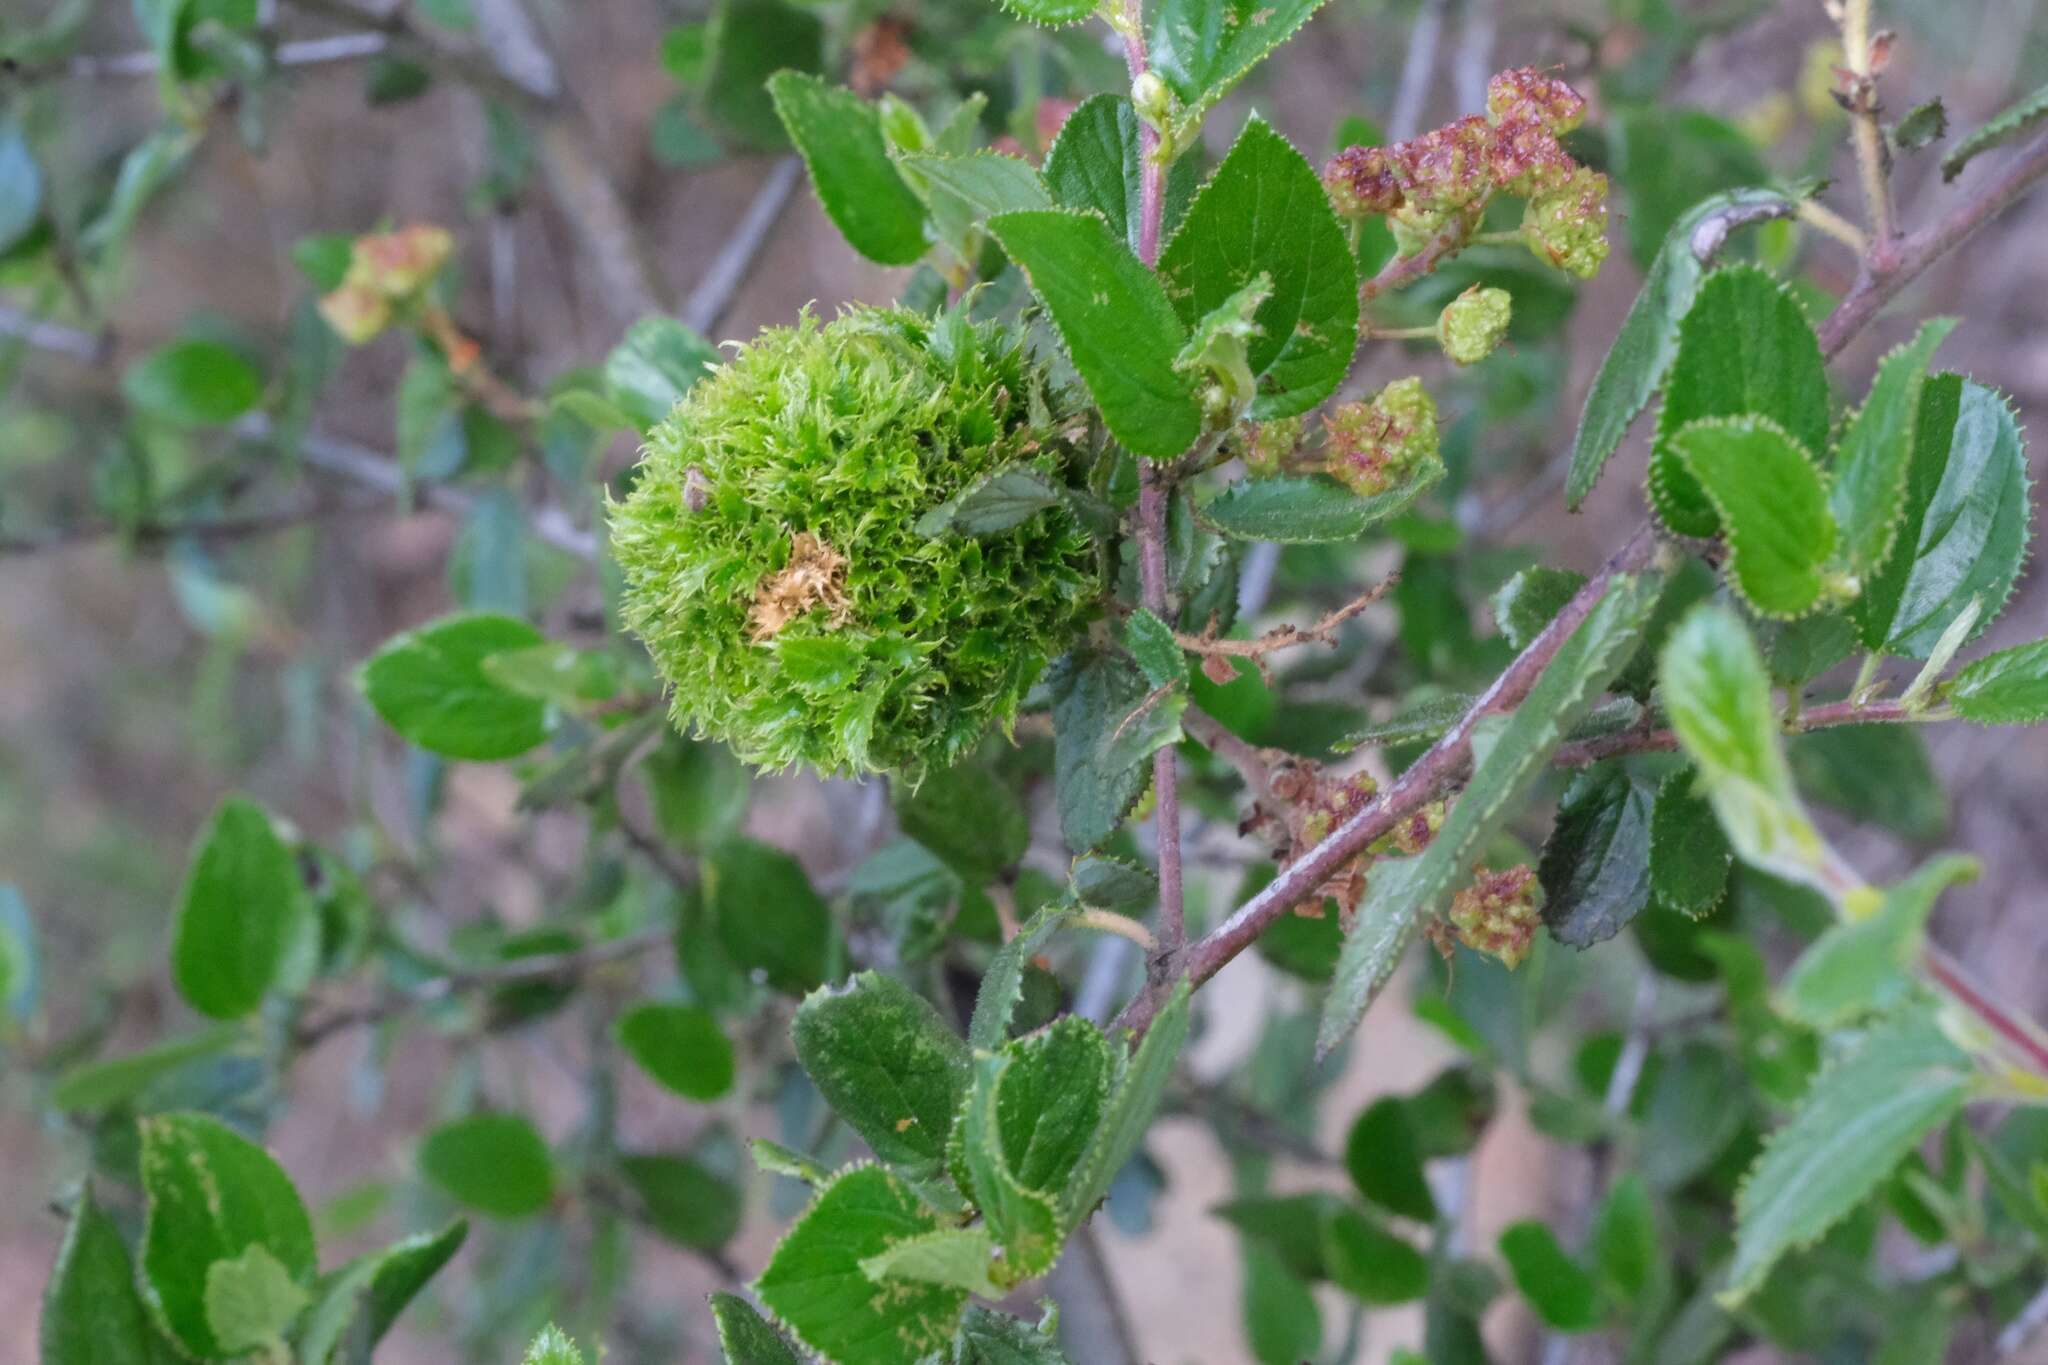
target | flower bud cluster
x=1422, y=184
x=1497, y=914
x=1374, y=445
x=386, y=271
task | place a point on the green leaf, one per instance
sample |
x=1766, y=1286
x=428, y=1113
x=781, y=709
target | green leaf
x=1647, y=343
x=1107, y=884
x=430, y=686
x=1140, y=1083
x=1290, y=1225
x=653, y=366
x=20, y=965
x=358, y=1302
x=967, y=816
x=1003, y=983
x=991, y=1338
x=1772, y=499
x=1405, y=891
x=102, y=1084
x=250, y=1301
x=1370, y=1263
x=194, y=383
x=1856, y=1123
x=240, y=912
x=1924, y=123
x=816, y=1288
x=1556, y=1286
x=1624, y=1242
x=698, y=790
x=745, y=1336
x=1385, y=1160
x=887, y=1064
x=680, y=1046
x=2006, y=688
x=839, y=135
x=552, y=1347
x=21, y=186
x=1963, y=534
x=957, y=1257
x=1282, y=1323
x=768, y=917
x=1719, y=701
x=1745, y=348
x=1024, y=1218
x=1106, y=722
x=1153, y=644
x=2008, y=124
x=1201, y=48
x=1000, y=502
x=1310, y=509
x=1689, y=855
x=91, y=1312
x=212, y=1194
x=1596, y=864
x=1880, y=774
x=989, y=183
x=1876, y=451
x=1051, y=13
x=682, y=1200
x=1863, y=966
x=1265, y=212
x=494, y=1163
x=1116, y=321
x=1096, y=163
x=1054, y=1086
x=1531, y=600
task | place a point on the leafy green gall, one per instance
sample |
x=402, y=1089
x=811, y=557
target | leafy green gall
x=773, y=563
x=251, y=1300
x=1473, y=324
x=818, y=1288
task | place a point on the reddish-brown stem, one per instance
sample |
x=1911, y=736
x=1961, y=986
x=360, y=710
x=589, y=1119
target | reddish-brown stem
x=2020, y=1033
x=1152, y=499
x=1405, y=270
x=1249, y=761
x=1834, y=713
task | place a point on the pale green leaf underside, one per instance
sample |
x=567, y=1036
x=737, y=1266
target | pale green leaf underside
x=1856, y=1123
x=1860, y=966
x=1772, y=504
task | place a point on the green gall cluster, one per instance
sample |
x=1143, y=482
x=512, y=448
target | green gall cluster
x=774, y=566
x=1441, y=180
x=1374, y=446
x=1303, y=807
x=1474, y=323
x=386, y=272
x=1568, y=226
x=1267, y=445
x=1497, y=914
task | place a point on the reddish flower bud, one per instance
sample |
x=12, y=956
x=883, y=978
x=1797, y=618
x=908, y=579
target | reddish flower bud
x=1527, y=93
x=1497, y=914
x=1362, y=181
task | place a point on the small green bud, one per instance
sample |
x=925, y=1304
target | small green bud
x=1473, y=323
x=1374, y=446
x=902, y=126
x=1567, y=226
x=1154, y=101
x=773, y=565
